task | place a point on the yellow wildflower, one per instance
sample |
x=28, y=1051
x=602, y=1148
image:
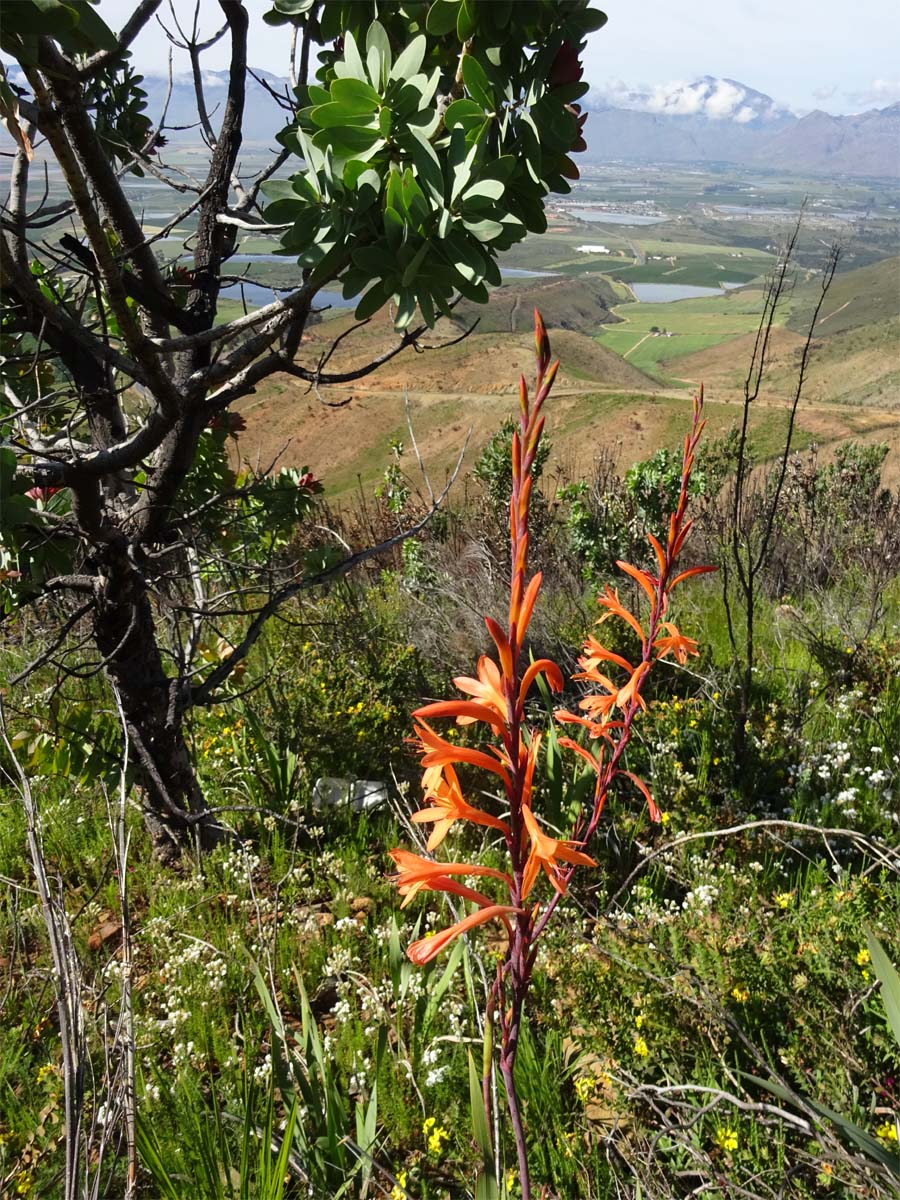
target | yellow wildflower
x=436, y=1135
x=398, y=1191
x=887, y=1132
x=726, y=1138
x=641, y=1048
x=783, y=899
x=740, y=994
x=862, y=957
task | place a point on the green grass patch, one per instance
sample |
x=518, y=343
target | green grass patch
x=693, y=324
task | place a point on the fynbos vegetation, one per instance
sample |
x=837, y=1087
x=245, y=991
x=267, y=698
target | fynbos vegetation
x=529, y=834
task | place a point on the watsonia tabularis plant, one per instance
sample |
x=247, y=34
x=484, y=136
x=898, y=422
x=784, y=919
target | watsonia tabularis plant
x=496, y=698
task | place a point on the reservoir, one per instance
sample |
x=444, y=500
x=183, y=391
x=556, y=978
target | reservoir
x=664, y=293
x=599, y=217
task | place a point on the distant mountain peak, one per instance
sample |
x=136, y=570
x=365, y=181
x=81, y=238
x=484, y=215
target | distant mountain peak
x=709, y=97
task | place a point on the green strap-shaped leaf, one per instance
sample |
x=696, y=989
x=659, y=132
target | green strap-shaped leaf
x=890, y=981
x=374, y=299
x=486, y=1185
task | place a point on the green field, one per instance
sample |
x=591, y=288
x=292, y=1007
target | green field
x=694, y=325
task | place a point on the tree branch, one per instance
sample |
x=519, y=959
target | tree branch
x=203, y=694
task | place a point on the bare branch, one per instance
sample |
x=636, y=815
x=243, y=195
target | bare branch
x=203, y=694
x=127, y=34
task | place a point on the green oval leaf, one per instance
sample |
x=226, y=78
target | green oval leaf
x=465, y=113
x=355, y=94
x=411, y=59
x=477, y=84
x=442, y=17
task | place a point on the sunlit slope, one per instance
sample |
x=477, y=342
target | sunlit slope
x=601, y=403
x=860, y=297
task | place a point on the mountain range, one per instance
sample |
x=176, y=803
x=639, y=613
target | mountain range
x=709, y=120
x=723, y=121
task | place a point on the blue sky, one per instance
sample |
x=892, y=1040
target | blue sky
x=806, y=54
x=843, y=57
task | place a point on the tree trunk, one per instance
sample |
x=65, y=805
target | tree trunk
x=175, y=811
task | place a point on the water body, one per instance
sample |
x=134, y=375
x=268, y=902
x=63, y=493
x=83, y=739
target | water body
x=597, y=216
x=256, y=296
x=750, y=211
x=506, y=272
x=664, y=293
x=523, y=273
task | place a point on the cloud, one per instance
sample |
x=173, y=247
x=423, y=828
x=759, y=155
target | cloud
x=716, y=99
x=879, y=94
x=825, y=93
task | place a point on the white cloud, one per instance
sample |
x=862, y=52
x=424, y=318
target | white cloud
x=716, y=99
x=724, y=101
x=879, y=94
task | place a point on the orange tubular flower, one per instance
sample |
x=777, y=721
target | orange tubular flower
x=610, y=600
x=414, y=869
x=487, y=690
x=441, y=784
x=675, y=643
x=548, y=853
x=427, y=948
x=438, y=753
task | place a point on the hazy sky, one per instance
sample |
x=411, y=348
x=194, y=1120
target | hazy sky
x=842, y=57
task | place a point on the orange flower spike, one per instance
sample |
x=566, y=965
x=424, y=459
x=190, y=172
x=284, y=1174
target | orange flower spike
x=640, y=577
x=659, y=552
x=414, y=869
x=655, y=814
x=450, y=807
x=487, y=688
x=465, y=711
x=595, y=764
x=598, y=707
x=542, y=666
x=523, y=619
x=443, y=883
x=548, y=854
x=675, y=643
x=541, y=341
x=631, y=691
x=427, y=948
x=596, y=653
x=689, y=572
x=531, y=757
x=437, y=753
x=501, y=641
x=610, y=600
